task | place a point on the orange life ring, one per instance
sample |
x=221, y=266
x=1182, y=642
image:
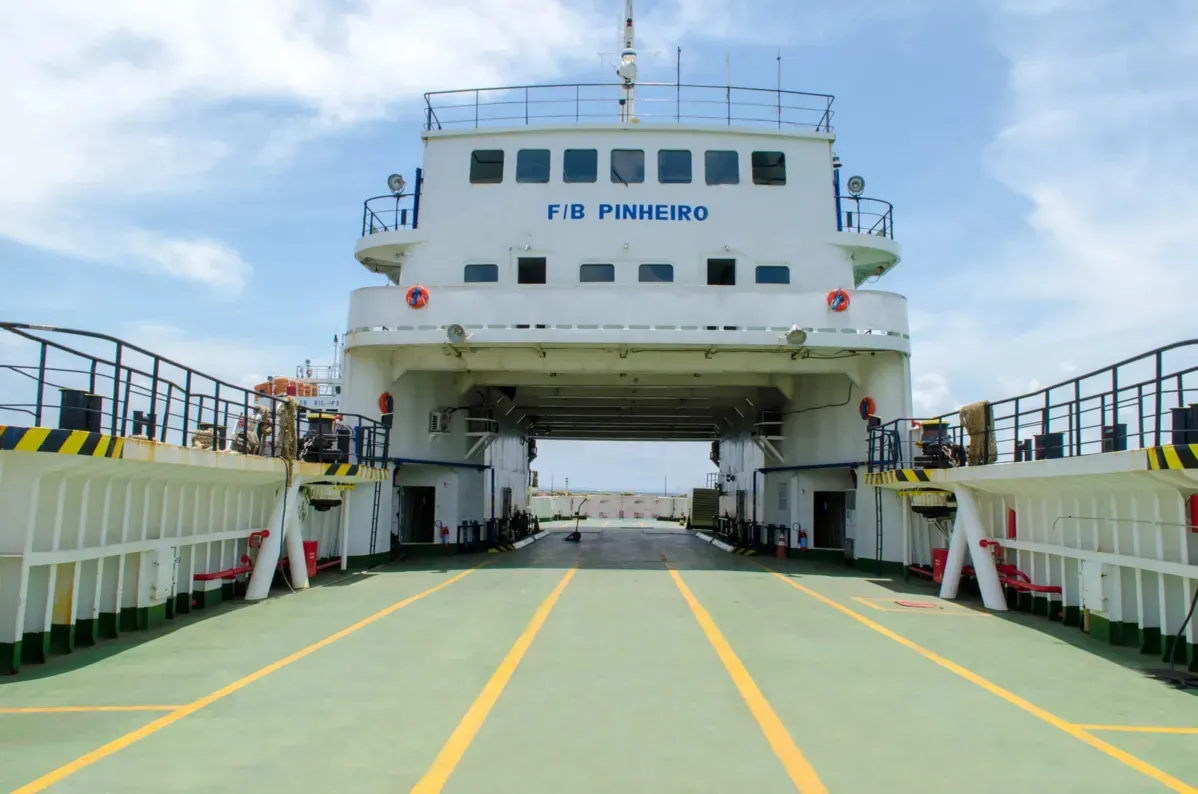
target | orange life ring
x=386, y=403
x=867, y=408
x=838, y=300
x=417, y=297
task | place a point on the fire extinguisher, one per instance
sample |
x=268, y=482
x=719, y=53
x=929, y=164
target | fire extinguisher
x=803, y=540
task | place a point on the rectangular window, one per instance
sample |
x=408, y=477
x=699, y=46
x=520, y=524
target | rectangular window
x=773, y=274
x=580, y=165
x=627, y=165
x=589, y=273
x=769, y=168
x=486, y=166
x=721, y=272
x=722, y=167
x=532, y=165
x=674, y=166
x=477, y=274
x=656, y=274
x=530, y=270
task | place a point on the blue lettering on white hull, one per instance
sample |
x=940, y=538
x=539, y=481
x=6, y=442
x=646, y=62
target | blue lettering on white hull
x=630, y=212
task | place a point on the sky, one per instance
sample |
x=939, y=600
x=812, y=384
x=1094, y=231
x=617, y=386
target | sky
x=189, y=175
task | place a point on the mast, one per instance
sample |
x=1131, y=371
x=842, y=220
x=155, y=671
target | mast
x=627, y=68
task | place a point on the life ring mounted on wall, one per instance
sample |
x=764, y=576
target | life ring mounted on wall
x=386, y=403
x=867, y=408
x=838, y=300
x=417, y=297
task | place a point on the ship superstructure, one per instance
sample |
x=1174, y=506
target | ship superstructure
x=629, y=261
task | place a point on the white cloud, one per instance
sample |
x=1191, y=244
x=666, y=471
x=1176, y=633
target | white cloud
x=1098, y=139
x=129, y=100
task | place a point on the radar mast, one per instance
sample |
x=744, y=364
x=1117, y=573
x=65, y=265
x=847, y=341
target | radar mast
x=627, y=69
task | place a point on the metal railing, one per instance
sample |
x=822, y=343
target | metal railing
x=122, y=390
x=388, y=213
x=866, y=216
x=600, y=102
x=1137, y=403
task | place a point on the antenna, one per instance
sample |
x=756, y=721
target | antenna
x=627, y=68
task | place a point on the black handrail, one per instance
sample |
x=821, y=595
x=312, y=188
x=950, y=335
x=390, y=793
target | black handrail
x=1130, y=406
x=142, y=397
x=671, y=102
x=866, y=216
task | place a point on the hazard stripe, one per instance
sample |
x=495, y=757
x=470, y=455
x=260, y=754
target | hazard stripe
x=59, y=442
x=354, y=470
x=1173, y=457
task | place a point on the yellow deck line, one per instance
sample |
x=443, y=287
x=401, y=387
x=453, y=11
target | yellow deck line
x=82, y=709
x=120, y=743
x=800, y=770
x=1139, y=729
x=459, y=741
x=1076, y=731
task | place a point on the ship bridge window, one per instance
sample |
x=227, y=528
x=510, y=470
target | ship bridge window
x=530, y=270
x=656, y=273
x=674, y=166
x=532, y=165
x=478, y=274
x=596, y=273
x=769, y=168
x=486, y=166
x=721, y=272
x=580, y=165
x=627, y=165
x=722, y=167
x=773, y=274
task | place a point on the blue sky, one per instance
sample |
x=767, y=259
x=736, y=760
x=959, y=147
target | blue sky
x=189, y=175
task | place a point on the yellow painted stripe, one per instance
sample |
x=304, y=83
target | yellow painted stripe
x=1139, y=729
x=73, y=443
x=1172, y=461
x=118, y=446
x=451, y=754
x=82, y=709
x=32, y=439
x=801, y=773
x=87, y=759
x=1077, y=732
x=102, y=447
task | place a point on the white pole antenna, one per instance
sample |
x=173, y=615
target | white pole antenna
x=627, y=68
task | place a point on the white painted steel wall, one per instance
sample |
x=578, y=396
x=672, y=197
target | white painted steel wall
x=822, y=427
x=85, y=536
x=1129, y=528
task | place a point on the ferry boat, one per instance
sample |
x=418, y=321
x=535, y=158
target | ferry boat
x=629, y=261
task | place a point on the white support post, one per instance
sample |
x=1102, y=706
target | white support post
x=905, y=508
x=294, y=539
x=968, y=535
x=345, y=495
x=268, y=552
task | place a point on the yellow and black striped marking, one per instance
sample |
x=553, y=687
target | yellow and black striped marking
x=354, y=470
x=746, y=552
x=1177, y=456
x=501, y=547
x=897, y=476
x=60, y=442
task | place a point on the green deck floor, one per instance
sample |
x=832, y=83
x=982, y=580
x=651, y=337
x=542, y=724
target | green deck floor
x=620, y=689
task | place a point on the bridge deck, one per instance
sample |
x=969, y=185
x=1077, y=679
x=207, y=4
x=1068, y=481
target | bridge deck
x=639, y=660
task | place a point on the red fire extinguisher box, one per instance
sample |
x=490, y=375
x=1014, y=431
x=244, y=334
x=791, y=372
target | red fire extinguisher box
x=310, y=547
x=939, y=562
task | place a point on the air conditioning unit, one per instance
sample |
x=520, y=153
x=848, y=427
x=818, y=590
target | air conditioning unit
x=438, y=422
